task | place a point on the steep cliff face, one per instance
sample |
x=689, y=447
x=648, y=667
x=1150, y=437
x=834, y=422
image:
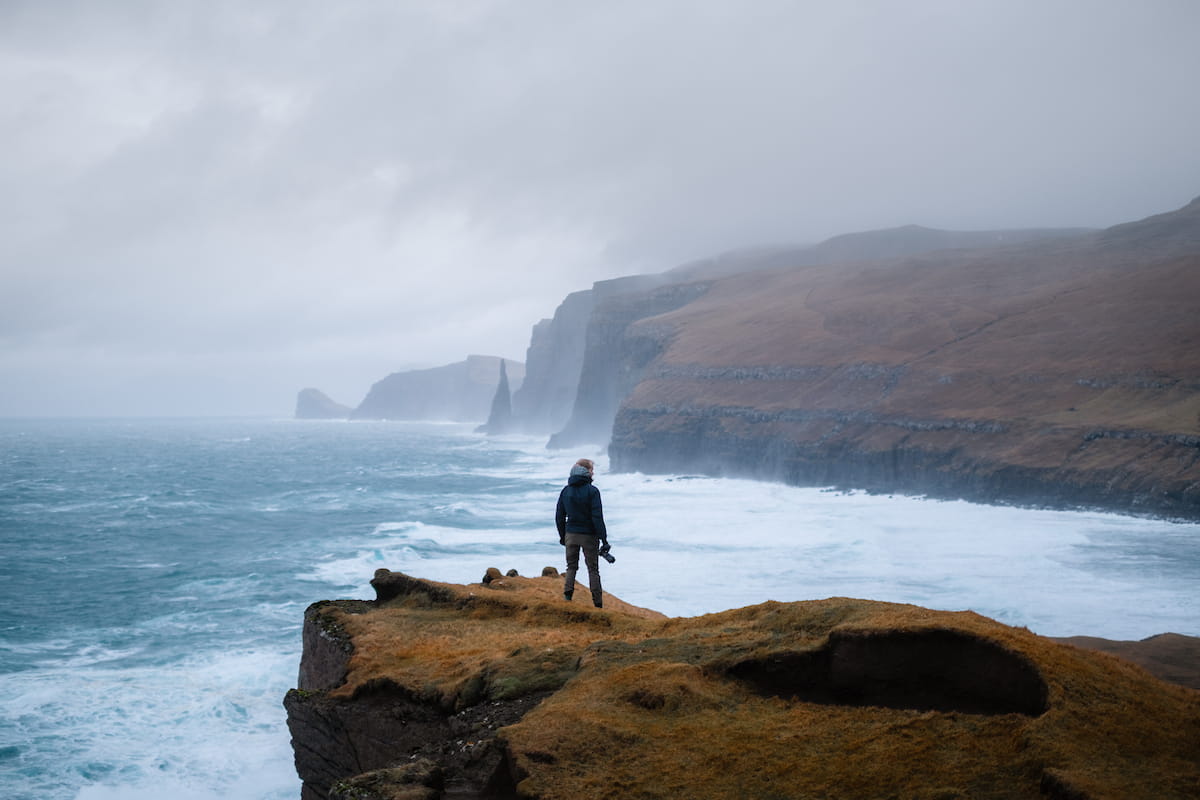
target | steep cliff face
x=1064, y=372
x=553, y=361
x=461, y=392
x=503, y=690
x=616, y=353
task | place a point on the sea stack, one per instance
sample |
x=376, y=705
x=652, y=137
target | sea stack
x=500, y=419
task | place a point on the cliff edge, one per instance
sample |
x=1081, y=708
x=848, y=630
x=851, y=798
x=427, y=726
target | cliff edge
x=501, y=689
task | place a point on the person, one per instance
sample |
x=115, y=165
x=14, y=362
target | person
x=580, y=521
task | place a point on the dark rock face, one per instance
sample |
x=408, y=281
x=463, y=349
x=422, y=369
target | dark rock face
x=315, y=404
x=334, y=737
x=419, y=780
x=327, y=648
x=923, y=670
x=939, y=458
x=461, y=392
x=369, y=740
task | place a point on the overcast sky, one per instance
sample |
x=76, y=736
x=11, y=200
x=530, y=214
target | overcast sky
x=210, y=205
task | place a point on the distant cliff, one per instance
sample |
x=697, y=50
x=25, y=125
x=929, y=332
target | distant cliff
x=315, y=404
x=460, y=392
x=1063, y=372
x=572, y=387
x=615, y=353
x=584, y=361
x=501, y=689
x=552, y=365
x=1042, y=367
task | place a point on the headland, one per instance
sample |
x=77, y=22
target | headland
x=502, y=690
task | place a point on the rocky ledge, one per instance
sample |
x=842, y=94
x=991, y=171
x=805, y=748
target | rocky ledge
x=503, y=690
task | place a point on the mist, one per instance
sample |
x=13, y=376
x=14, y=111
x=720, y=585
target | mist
x=210, y=206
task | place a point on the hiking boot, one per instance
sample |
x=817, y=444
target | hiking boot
x=567, y=596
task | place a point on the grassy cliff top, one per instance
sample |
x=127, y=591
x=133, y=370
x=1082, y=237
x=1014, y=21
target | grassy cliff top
x=833, y=698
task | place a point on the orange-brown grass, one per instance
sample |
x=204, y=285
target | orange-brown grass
x=511, y=637
x=648, y=707
x=714, y=741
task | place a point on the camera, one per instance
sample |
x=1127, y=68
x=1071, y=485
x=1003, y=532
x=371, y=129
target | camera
x=604, y=548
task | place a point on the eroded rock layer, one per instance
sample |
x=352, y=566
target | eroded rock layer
x=503, y=690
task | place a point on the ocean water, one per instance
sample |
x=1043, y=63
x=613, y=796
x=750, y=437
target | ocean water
x=154, y=574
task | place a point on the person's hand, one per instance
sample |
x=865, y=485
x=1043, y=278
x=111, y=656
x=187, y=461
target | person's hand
x=562, y=539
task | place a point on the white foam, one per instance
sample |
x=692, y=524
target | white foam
x=89, y=655
x=176, y=708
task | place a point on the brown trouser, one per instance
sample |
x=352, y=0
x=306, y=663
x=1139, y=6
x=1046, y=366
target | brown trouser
x=591, y=557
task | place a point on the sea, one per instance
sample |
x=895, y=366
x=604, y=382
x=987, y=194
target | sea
x=154, y=573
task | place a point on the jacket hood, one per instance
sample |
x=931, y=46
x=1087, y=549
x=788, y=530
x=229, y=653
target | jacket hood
x=579, y=475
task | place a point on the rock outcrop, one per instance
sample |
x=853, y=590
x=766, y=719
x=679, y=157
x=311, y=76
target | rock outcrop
x=315, y=404
x=1063, y=372
x=504, y=690
x=460, y=392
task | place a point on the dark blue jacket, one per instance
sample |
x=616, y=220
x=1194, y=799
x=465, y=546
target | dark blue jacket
x=579, y=509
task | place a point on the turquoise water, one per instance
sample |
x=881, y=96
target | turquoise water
x=154, y=574
x=154, y=577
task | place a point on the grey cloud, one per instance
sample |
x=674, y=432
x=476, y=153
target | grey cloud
x=201, y=183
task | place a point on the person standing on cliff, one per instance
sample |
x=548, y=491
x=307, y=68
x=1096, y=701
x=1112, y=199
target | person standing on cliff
x=580, y=521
